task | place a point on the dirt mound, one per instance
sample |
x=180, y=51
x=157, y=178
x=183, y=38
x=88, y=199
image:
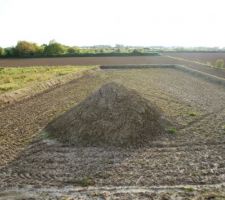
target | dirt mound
x=113, y=115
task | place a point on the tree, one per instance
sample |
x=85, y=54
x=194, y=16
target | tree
x=9, y=52
x=73, y=50
x=54, y=48
x=136, y=52
x=1, y=52
x=24, y=48
x=118, y=50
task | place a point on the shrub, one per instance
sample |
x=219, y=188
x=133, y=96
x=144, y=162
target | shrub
x=24, y=48
x=219, y=63
x=54, y=48
x=1, y=52
x=73, y=50
x=9, y=52
x=136, y=52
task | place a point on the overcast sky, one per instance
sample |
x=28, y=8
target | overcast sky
x=128, y=22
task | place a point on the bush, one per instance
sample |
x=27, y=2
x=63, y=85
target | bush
x=54, y=48
x=72, y=50
x=1, y=52
x=219, y=63
x=24, y=48
x=136, y=52
x=9, y=52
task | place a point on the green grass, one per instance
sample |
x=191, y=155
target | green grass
x=83, y=182
x=172, y=130
x=13, y=78
x=189, y=189
x=193, y=114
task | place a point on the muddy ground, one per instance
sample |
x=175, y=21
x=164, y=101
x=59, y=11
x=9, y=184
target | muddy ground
x=175, y=165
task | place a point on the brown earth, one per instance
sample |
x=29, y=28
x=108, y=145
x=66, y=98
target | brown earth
x=192, y=154
x=204, y=57
x=112, y=61
x=111, y=116
x=201, y=61
x=81, y=61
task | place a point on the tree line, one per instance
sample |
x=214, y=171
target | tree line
x=55, y=49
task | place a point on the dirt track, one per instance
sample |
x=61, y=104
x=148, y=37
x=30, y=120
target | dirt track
x=194, y=155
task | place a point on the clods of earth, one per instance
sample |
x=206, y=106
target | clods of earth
x=185, y=159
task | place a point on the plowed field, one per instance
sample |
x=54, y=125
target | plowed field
x=187, y=163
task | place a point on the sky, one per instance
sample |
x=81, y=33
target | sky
x=186, y=23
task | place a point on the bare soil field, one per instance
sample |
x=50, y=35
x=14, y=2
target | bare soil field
x=206, y=58
x=111, y=61
x=81, y=61
x=185, y=163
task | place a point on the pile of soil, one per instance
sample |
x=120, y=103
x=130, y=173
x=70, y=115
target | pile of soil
x=112, y=116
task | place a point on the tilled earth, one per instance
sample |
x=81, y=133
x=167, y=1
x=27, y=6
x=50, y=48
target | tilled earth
x=203, y=57
x=167, y=58
x=186, y=163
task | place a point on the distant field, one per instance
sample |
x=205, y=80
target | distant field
x=85, y=61
x=13, y=78
x=200, y=57
x=207, y=58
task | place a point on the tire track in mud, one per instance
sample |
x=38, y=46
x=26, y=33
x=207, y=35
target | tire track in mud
x=205, y=117
x=211, y=126
x=196, y=192
x=173, y=163
x=21, y=122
